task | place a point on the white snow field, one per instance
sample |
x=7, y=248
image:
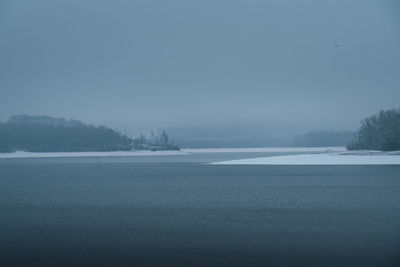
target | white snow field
x=374, y=158
x=265, y=149
x=23, y=154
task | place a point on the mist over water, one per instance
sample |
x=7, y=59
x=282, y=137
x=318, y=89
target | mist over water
x=295, y=66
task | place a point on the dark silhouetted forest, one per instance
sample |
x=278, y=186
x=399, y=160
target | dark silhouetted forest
x=47, y=134
x=378, y=132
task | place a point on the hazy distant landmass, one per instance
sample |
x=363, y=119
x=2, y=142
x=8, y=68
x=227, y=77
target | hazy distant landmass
x=232, y=142
x=230, y=136
x=48, y=134
x=324, y=138
x=255, y=136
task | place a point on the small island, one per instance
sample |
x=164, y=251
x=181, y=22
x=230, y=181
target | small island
x=48, y=134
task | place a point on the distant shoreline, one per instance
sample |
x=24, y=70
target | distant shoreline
x=266, y=149
x=24, y=154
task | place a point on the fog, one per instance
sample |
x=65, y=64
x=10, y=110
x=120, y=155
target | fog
x=291, y=65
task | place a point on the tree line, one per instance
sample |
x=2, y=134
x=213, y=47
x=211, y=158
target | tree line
x=378, y=132
x=154, y=142
x=47, y=134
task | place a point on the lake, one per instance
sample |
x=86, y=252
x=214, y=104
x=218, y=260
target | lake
x=181, y=211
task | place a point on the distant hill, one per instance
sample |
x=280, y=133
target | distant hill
x=254, y=136
x=323, y=138
x=48, y=134
x=227, y=135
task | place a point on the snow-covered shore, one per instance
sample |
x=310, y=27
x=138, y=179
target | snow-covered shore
x=314, y=156
x=23, y=154
x=344, y=158
x=265, y=149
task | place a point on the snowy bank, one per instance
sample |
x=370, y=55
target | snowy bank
x=320, y=159
x=265, y=149
x=23, y=154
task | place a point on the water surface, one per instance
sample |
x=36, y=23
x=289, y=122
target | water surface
x=180, y=211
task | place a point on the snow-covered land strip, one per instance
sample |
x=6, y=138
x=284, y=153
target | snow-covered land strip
x=319, y=159
x=265, y=149
x=23, y=154
x=369, y=152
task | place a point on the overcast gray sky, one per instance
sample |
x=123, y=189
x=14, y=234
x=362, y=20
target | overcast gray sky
x=144, y=64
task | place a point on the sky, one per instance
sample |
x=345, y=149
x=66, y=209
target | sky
x=310, y=65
